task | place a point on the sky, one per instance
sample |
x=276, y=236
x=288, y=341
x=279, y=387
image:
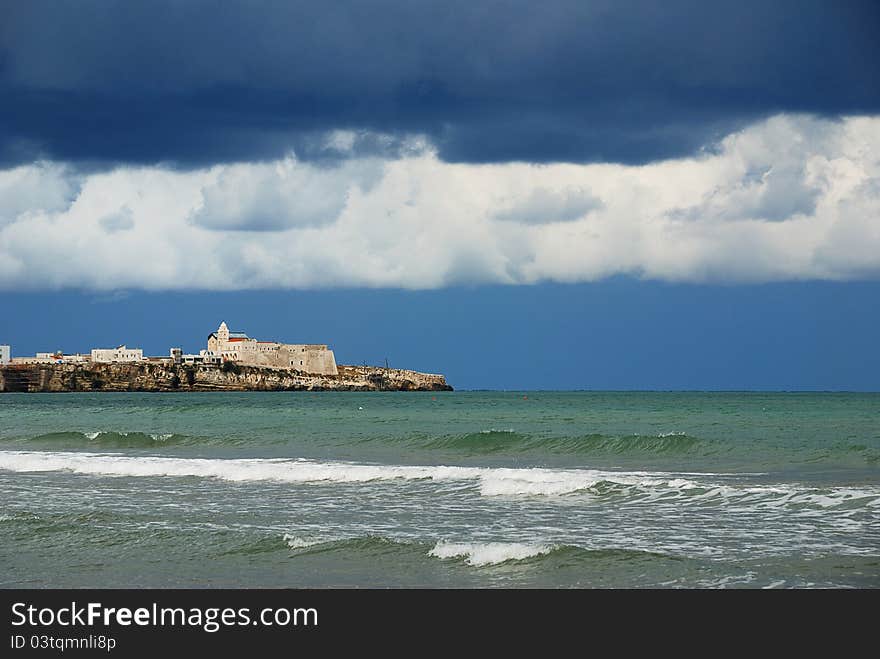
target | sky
x=568, y=195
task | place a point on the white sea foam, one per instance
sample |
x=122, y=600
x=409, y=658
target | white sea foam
x=776, y=496
x=490, y=481
x=250, y=469
x=774, y=584
x=159, y=437
x=295, y=542
x=488, y=553
x=543, y=482
x=556, y=482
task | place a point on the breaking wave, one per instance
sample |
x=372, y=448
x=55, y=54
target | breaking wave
x=494, y=441
x=109, y=439
x=492, y=481
x=372, y=545
x=295, y=542
x=472, y=554
x=489, y=553
x=638, y=486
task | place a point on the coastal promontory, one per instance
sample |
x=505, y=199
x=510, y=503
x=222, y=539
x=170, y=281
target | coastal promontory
x=163, y=376
x=231, y=361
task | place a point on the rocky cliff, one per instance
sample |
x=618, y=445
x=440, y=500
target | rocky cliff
x=164, y=376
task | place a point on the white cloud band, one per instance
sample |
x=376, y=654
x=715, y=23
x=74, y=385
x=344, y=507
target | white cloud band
x=790, y=198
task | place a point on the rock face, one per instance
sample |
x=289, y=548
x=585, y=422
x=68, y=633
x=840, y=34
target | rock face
x=164, y=376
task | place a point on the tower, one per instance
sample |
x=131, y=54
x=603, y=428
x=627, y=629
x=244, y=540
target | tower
x=223, y=334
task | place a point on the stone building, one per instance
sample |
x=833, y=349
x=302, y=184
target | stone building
x=5, y=354
x=239, y=347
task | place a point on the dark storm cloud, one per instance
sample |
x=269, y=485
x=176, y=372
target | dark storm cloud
x=199, y=82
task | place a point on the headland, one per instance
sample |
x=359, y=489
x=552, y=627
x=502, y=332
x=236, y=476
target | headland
x=232, y=361
x=158, y=376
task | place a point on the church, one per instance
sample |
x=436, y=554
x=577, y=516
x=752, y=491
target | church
x=238, y=347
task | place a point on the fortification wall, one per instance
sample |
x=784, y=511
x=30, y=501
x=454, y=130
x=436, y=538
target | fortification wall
x=306, y=358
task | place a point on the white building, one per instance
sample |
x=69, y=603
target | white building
x=75, y=359
x=52, y=358
x=206, y=357
x=61, y=358
x=118, y=354
x=5, y=354
x=209, y=357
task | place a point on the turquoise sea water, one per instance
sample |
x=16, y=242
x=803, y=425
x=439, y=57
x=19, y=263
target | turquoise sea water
x=457, y=489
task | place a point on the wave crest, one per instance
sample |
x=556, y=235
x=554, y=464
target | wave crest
x=494, y=441
x=697, y=488
x=489, y=553
x=109, y=439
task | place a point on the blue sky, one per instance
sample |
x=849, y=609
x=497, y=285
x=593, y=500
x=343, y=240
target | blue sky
x=577, y=195
x=617, y=334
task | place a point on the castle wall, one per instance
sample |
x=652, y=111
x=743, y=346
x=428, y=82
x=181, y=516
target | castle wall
x=299, y=357
x=308, y=358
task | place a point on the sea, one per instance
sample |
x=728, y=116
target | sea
x=440, y=490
